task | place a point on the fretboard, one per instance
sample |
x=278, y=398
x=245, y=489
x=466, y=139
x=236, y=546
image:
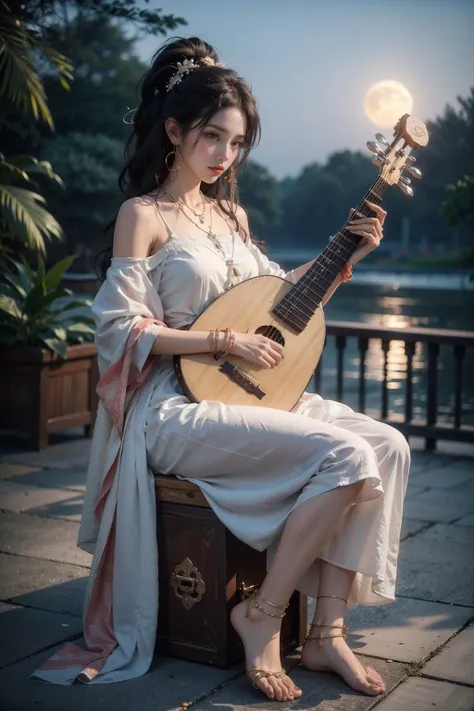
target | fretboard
x=301, y=302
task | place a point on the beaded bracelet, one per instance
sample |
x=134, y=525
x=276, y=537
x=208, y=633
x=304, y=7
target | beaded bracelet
x=229, y=342
x=213, y=335
x=346, y=273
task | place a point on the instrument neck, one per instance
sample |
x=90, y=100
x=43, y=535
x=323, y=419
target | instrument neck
x=301, y=302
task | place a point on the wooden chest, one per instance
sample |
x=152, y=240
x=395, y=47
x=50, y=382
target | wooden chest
x=204, y=571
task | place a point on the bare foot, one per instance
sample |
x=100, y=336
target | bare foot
x=335, y=655
x=260, y=635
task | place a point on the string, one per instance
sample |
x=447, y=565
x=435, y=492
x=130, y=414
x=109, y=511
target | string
x=344, y=241
x=303, y=286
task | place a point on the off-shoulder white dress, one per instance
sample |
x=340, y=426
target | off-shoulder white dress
x=255, y=465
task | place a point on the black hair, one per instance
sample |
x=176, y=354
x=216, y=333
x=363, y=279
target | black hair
x=192, y=103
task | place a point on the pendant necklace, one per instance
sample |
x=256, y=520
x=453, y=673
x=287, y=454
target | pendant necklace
x=232, y=270
x=181, y=203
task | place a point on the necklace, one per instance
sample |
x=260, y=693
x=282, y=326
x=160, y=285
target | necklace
x=181, y=202
x=232, y=270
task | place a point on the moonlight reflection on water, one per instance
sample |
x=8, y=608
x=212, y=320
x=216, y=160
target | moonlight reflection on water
x=407, y=308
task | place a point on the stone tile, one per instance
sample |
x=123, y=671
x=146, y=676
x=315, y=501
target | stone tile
x=25, y=631
x=465, y=521
x=57, y=587
x=67, y=478
x=321, y=691
x=406, y=631
x=413, y=489
x=438, y=505
x=410, y=527
x=418, y=694
x=432, y=566
x=72, y=453
x=423, y=460
x=455, y=662
x=37, y=537
x=40, y=501
x=69, y=510
x=443, y=478
x=466, y=488
x=167, y=684
x=450, y=533
x=9, y=471
x=457, y=449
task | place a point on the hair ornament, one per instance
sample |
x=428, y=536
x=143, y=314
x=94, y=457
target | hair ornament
x=130, y=111
x=187, y=66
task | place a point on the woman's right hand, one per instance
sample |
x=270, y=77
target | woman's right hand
x=257, y=349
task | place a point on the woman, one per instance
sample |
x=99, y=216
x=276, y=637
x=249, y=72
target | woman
x=320, y=487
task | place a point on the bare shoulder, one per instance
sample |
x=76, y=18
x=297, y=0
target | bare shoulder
x=243, y=220
x=138, y=230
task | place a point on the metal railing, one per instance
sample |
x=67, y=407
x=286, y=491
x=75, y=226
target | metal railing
x=430, y=341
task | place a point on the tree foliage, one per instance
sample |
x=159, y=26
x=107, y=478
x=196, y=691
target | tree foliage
x=300, y=211
x=259, y=195
x=316, y=202
x=89, y=165
x=458, y=208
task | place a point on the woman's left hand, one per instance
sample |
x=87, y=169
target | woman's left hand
x=371, y=231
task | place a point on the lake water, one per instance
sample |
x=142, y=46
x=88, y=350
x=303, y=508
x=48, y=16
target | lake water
x=396, y=299
x=401, y=300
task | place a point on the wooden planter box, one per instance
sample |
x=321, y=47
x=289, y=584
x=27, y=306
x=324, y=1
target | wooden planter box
x=42, y=393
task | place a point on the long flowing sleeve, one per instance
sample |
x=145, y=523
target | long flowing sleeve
x=118, y=522
x=125, y=298
x=267, y=266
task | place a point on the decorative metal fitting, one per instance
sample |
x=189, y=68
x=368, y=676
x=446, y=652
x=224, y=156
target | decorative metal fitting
x=187, y=583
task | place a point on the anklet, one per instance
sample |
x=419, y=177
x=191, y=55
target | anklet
x=252, y=599
x=344, y=632
x=272, y=604
x=333, y=596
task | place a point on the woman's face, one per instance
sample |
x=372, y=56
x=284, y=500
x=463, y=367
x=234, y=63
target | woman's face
x=209, y=152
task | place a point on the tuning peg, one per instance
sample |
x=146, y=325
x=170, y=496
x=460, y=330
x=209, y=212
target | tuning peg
x=411, y=160
x=379, y=160
x=414, y=172
x=403, y=179
x=405, y=189
x=381, y=139
x=374, y=147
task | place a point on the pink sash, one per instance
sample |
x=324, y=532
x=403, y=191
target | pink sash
x=115, y=389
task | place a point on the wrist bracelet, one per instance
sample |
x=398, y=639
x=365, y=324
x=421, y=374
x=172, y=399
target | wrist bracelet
x=229, y=342
x=346, y=273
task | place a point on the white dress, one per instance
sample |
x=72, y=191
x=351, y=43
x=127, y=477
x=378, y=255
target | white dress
x=254, y=465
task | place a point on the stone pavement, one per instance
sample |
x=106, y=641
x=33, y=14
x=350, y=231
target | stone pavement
x=423, y=644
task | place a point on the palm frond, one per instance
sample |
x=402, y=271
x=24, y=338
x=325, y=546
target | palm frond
x=26, y=219
x=21, y=166
x=20, y=79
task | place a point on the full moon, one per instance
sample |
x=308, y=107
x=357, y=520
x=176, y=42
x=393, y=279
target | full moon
x=386, y=101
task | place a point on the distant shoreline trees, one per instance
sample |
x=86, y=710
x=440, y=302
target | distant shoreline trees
x=86, y=148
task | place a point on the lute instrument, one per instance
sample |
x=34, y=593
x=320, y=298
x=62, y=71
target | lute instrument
x=288, y=313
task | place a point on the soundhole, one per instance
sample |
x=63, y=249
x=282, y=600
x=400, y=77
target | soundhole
x=271, y=332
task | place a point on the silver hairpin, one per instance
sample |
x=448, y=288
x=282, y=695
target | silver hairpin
x=187, y=66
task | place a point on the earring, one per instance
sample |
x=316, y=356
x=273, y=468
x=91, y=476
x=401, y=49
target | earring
x=176, y=156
